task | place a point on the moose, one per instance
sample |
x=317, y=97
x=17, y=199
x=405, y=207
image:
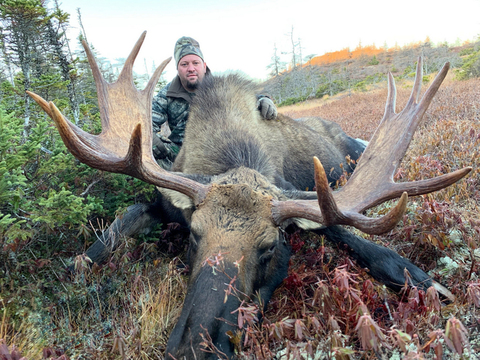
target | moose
x=238, y=181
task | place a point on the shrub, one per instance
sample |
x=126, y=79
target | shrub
x=470, y=67
x=374, y=61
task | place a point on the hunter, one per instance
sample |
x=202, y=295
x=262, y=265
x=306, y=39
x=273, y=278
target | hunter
x=172, y=103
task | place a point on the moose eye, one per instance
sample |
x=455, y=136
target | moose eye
x=268, y=254
x=194, y=240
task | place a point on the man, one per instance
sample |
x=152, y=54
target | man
x=172, y=104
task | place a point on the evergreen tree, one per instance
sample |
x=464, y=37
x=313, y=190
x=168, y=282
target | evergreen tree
x=22, y=23
x=276, y=66
x=54, y=27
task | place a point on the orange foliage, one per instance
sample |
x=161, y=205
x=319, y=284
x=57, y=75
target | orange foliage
x=345, y=54
x=331, y=57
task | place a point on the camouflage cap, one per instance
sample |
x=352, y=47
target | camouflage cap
x=186, y=46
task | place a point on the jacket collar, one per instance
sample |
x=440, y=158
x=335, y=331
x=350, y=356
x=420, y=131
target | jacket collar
x=176, y=90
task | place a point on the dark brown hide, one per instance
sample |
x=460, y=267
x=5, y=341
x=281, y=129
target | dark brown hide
x=225, y=130
x=254, y=160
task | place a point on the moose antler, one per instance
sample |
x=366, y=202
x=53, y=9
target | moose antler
x=125, y=146
x=125, y=143
x=372, y=181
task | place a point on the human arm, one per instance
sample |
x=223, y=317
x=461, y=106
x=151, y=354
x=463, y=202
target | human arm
x=160, y=109
x=162, y=148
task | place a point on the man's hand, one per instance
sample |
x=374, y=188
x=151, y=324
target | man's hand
x=267, y=108
x=160, y=151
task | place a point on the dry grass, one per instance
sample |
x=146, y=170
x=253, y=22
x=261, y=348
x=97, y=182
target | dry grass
x=120, y=311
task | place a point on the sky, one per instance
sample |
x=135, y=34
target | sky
x=241, y=34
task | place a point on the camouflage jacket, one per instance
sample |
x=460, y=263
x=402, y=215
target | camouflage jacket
x=171, y=105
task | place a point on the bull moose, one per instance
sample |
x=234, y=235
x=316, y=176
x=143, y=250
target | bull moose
x=238, y=194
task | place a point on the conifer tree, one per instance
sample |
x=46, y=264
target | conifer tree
x=22, y=23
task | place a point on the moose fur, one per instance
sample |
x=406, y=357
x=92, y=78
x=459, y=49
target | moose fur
x=225, y=131
x=221, y=137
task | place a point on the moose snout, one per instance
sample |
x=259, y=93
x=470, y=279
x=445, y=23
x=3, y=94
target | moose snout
x=207, y=316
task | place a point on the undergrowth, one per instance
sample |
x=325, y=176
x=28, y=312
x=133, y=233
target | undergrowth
x=327, y=308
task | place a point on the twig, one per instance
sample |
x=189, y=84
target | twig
x=386, y=302
x=88, y=188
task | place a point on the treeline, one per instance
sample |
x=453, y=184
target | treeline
x=358, y=70
x=47, y=198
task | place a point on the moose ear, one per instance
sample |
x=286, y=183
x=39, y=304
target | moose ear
x=307, y=224
x=177, y=199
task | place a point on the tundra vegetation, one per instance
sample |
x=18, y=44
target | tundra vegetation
x=52, y=207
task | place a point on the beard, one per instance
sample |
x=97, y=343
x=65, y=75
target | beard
x=192, y=86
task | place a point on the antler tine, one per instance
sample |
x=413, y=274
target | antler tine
x=326, y=201
x=332, y=215
x=432, y=90
x=391, y=97
x=125, y=143
x=327, y=212
x=40, y=101
x=417, y=86
x=148, y=91
x=67, y=130
x=97, y=75
x=126, y=74
x=372, y=181
x=76, y=140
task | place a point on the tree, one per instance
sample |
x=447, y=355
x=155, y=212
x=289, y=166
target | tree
x=296, y=50
x=276, y=66
x=309, y=58
x=22, y=23
x=6, y=57
x=54, y=27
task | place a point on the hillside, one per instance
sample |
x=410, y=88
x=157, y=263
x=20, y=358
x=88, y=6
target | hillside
x=357, y=70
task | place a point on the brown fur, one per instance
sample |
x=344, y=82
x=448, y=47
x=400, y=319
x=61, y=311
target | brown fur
x=252, y=160
x=234, y=242
x=224, y=115
x=232, y=228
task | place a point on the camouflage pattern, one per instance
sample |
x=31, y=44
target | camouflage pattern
x=186, y=46
x=171, y=107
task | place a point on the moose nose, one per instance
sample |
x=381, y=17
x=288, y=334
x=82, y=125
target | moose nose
x=205, y=319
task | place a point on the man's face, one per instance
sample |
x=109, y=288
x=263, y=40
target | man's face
x=191, y=71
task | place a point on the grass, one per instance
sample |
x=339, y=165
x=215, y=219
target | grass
x=328, y=307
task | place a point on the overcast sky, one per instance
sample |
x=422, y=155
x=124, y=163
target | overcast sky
x=241, y=34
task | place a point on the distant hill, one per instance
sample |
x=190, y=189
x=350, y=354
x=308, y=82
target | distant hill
x=357, y=70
